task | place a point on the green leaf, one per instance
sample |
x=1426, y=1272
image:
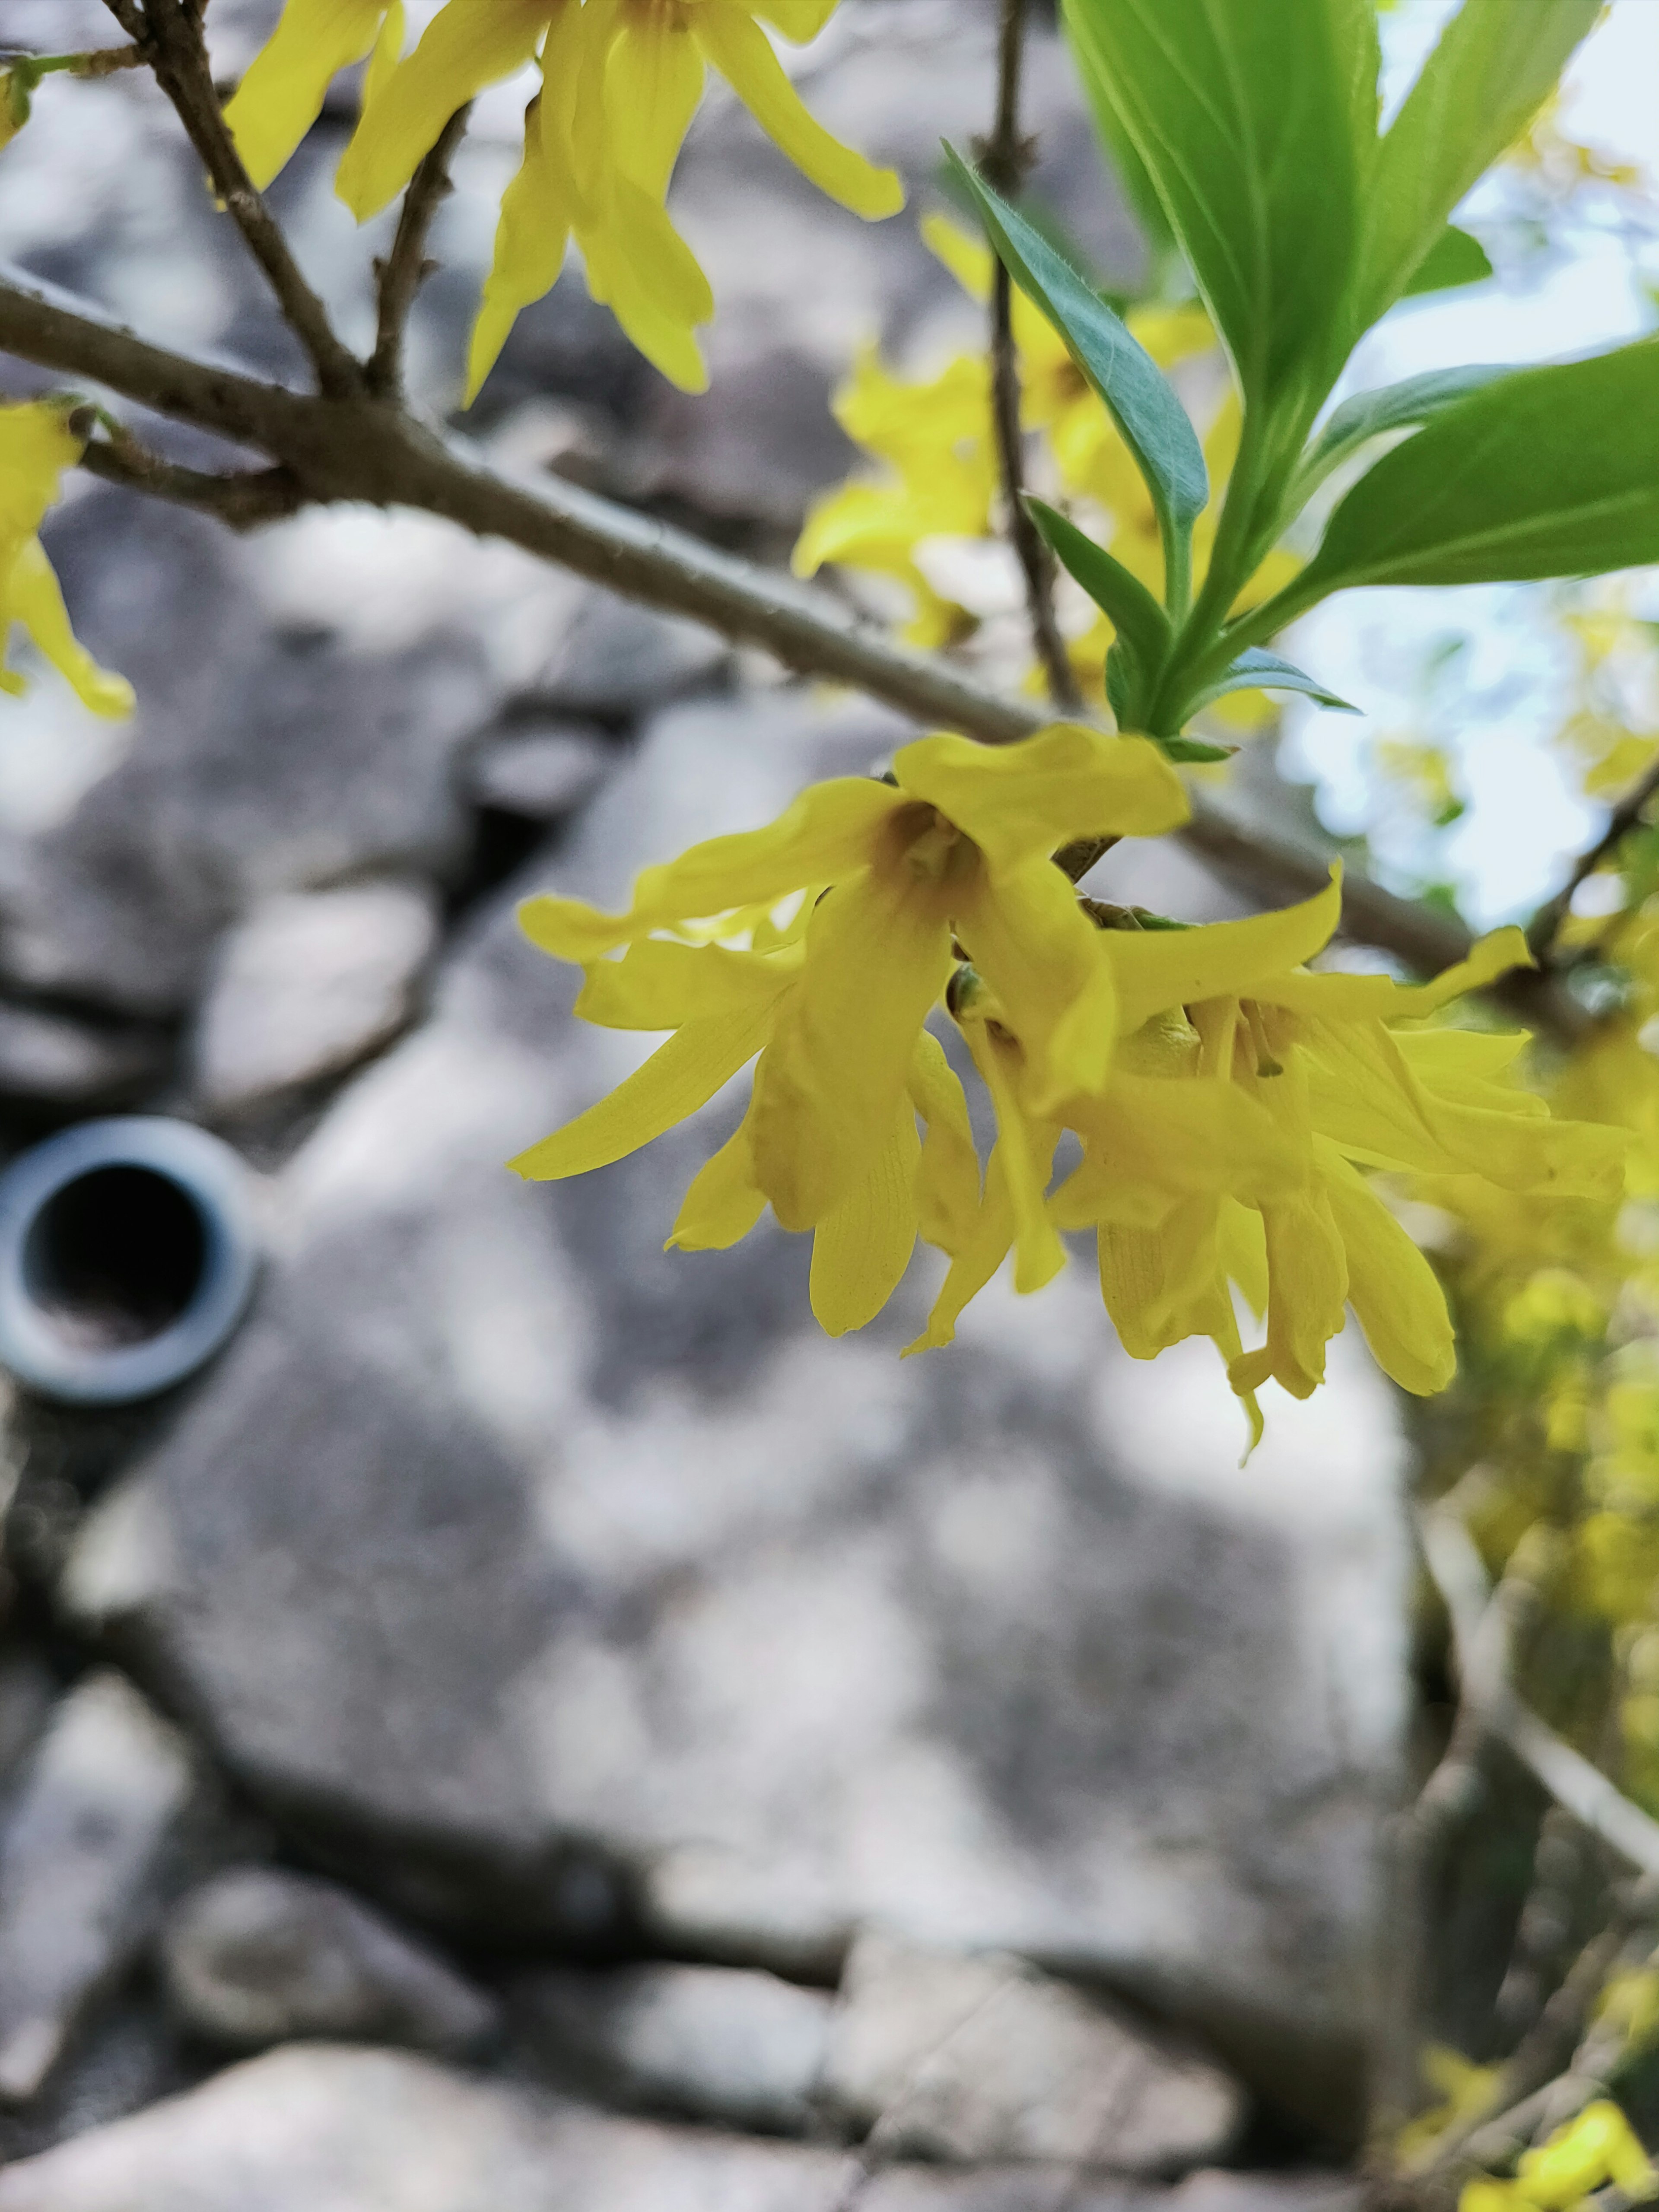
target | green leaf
x=1142, y=401
x=1255, y=121
x=1497, y=63
x=1194, y=751
x=1135, y=614
x=1402, y=406
x=1546, y=472
x=1257, y=669
x=1454, y=258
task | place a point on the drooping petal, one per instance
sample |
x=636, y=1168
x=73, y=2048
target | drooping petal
x=948, y=1186
x=1149, y=1141
x=640, y=268
x=1394, y=1290
x=862, y=1249
x=680, y=1076
x=537, y=209
x=281, y=94
x=1026, y=1145
x=658, y=985
x=741, y=52
x=1443, y=1058
x=722, y=1202
x=827, y=833
x=468, y=44
x=654, y=79
x=1027, y=936
x=1156, y=969
x=1019, y=801
x=798, y=20
x=30, y=595
x=973, y=1266
x=36, y=447
x=877, y=953
x=1379, y=998
x=1161, y=1284
x=1308, y=1289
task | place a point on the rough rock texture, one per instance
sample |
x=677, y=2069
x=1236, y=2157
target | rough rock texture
x=258, y=1955
x=320, y=2129
x=606, y=1585
x=79, y=1857
x=978, y=2059
x=719, y=2042
x=306, y=985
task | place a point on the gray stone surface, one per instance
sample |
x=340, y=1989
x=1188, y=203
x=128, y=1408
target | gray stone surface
x=80, y=1857
x=979, y=2059
x=52, y=1058
x=307, y=984
x=542, y=772
x=718, y=2042
x=589, y=1572
x=320, y=2128
x=258, y=1955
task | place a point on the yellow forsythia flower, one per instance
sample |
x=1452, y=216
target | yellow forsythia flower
x=622, y=80
x=955, y=852
x=1598, y=2147
x=36, y=447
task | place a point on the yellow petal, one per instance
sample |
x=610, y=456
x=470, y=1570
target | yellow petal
x=861, y=1249
x=948, y=1177
x=283, y=93
x=1149, y=1141
x=640, y=268
x=1442, y=1058
x=827, y=833
x=1394, y=1291
x=1021, y=800
x=1027, y=936
x=32, y=597
x=679, y=1077
x=468, y=44
x=968, y=258
x=1026, y=1150
x=1157, y=968
x=989, y=1244
x=36, y=447
x=722, y=1203
x=387, y=52
x=657, y=984
x=740, y=51
x=798, y=20
x=1160, y=1285
x=826, y=1093
x=654, y=78
x=1343, y=998
x=537, y=209
x=1308, y=1289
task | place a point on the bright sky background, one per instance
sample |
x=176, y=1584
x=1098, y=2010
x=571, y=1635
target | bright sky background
x=1495, y=700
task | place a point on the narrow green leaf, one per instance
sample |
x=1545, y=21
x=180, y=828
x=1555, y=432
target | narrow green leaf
x=1402, y=406
x=1454, y=258
x=1142, y=400
x=1496, y=64
x=1255, y=121
x=1196, y=752
x=1135, y=614
x=1546, y=472
x=1257, y=669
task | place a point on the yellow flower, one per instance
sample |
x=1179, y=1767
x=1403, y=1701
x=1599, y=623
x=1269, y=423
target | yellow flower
x=954, y=853
x=935, y=437
x=1598, y=2146
x=36, y=447
x=281, y=95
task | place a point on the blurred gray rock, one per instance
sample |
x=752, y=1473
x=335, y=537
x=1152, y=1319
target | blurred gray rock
x=717, y=2042
x=258, y=1955
x=977, y=2059
x=316, y=2128
x=616, y=659
x=541, y=772
x=308, y=983
x=592, y=1573
x=80, y=1858
x=49, y=1057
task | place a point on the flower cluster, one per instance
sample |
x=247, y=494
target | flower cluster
x=619, y=81
x=1226, y=1101
x=36, y=445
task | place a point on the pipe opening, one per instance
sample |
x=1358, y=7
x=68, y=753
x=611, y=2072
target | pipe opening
x=115, y=1257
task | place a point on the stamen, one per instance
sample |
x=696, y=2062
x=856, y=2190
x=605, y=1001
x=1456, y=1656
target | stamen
x=1265, y=1063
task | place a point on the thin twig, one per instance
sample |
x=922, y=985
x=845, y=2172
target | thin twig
x=1005, y=157
x=108, y=61
x=242, y=499
x=367, y=450
x=405, y=269
x=180, y=60
x=130, y=16
x=1545, y=927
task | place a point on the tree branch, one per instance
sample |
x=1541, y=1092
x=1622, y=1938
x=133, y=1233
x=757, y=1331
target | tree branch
x=1546, y=925
x=1005, y=157
x=242, y=499
x=405, y=269
x=360, y=448
x=178, y=58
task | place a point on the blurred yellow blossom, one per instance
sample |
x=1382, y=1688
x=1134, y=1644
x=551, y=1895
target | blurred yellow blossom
x=36, y=445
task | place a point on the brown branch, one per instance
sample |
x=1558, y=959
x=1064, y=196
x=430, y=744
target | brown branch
x=242, y=499
x=1545, y=927
x=108, y=61
x=405, y=269
x=130, y=16
x=360, y=448
x=1005, y=157
x=178, y=58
